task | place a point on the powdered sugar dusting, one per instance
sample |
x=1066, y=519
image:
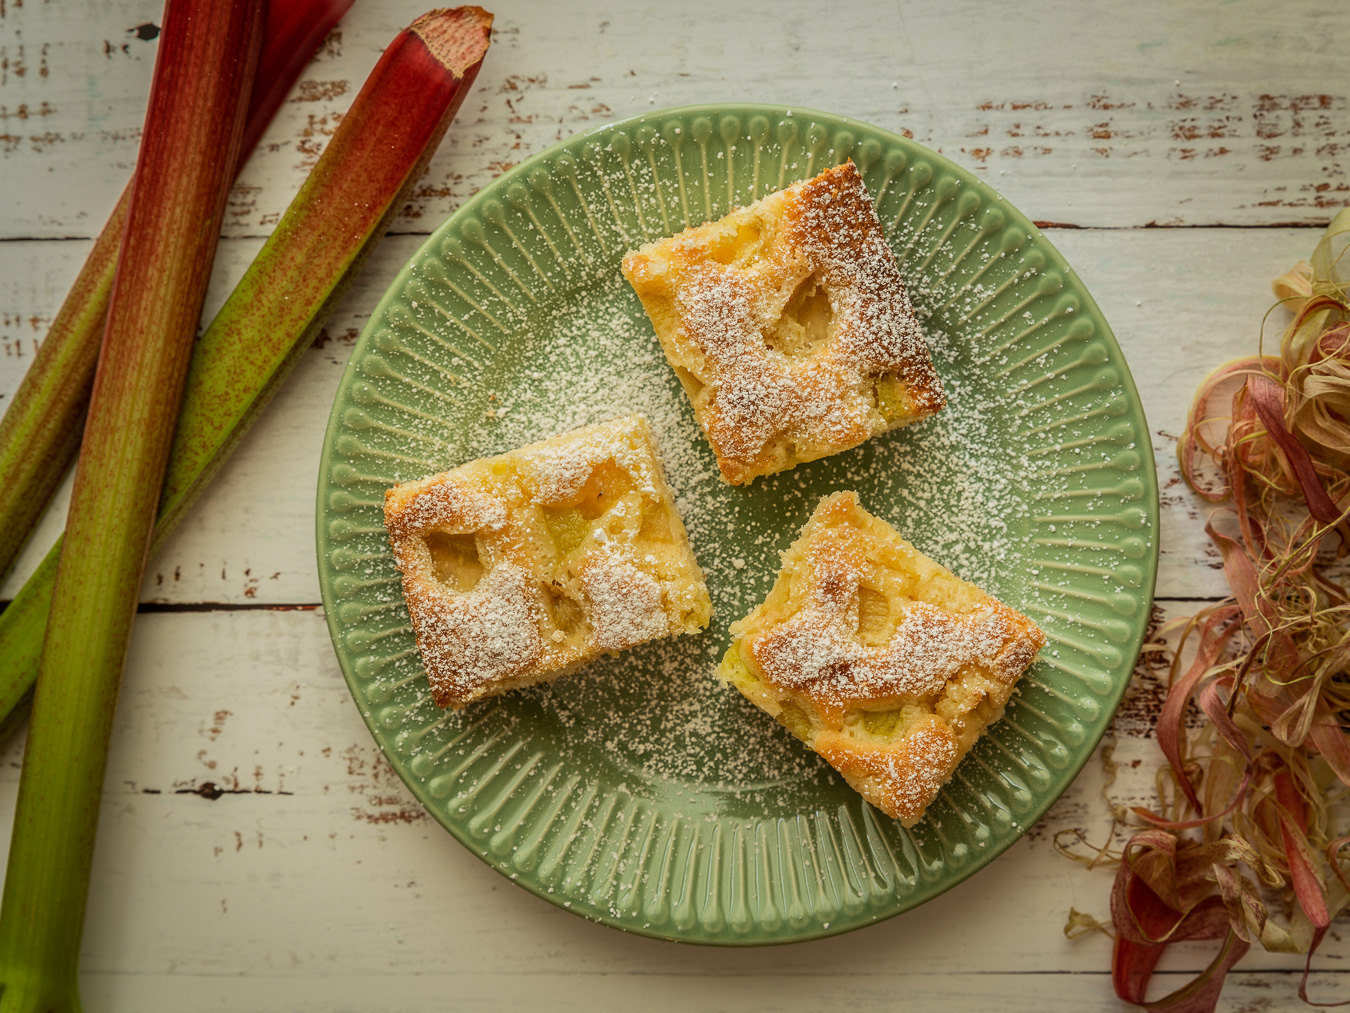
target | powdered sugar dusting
x=948, y=484
x=904, y=780
x=765, y=407
x=625, y=603
x=909, y=787
x=471, y=640
x=655, y=712
x=833, y=221
x=559, y=470
x=817, y=653
x=446, y=504
x=515, y=600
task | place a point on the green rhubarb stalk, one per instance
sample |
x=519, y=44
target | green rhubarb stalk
x=193, y=127
x=359, y=184
x=40, y=432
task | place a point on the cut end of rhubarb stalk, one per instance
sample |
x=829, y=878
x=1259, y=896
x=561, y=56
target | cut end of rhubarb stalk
x=450, y=37
x=40, y=431
x=362, y=179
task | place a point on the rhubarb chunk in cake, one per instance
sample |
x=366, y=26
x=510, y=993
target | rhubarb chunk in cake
x=789, y=326
x=521, y=568
x=882, y=661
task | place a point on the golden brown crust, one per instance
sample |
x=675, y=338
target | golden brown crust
x=887, y=664
x=789, y=325
x=899, y=778
x=523, y=567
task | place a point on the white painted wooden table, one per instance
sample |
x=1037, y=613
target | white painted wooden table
x=1180, y=154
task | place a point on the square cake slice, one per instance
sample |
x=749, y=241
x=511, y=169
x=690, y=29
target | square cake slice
x=879, y=659
x=521, y=568
x=789, y=326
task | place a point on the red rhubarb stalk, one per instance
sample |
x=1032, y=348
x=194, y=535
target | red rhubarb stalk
x=40, y=432
x=359, y=184
x=203, y=75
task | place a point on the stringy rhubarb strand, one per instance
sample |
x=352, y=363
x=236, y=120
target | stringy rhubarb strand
x=1260, y=787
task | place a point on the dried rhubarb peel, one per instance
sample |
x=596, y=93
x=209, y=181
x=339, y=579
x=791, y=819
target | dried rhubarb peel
x=40, y=431
x=1260, y=787
x=359, y=184
x=204, y=70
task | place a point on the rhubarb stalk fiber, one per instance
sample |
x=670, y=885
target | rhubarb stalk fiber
x=344, y=207
x=203, y=75
x=359, y=184
x=40, y=432
x=1254, y=793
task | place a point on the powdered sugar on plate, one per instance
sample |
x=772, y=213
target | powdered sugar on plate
x=947, y=484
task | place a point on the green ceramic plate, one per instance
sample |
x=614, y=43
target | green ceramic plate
x=641, y=792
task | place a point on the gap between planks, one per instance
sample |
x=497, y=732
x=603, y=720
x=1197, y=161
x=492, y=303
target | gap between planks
x=314, y=606
x=1042, y=225
x=215, y=606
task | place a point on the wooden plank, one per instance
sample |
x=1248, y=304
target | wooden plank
x=797, y=989
x=1177, y=115
x=1181, y=302
x=313, y=881
x=316, y=866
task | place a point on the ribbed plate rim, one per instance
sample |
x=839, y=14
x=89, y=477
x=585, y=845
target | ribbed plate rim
x=923, y=892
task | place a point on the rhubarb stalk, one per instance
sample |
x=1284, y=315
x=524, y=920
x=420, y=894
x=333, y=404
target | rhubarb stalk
x=40, y=432
x=359, y=184
x=193, y=128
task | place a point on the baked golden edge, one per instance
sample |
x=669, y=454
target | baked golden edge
x=858, y=756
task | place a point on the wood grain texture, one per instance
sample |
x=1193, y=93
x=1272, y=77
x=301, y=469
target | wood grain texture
x=255, y=851
x=1180, y=302
x=1121, y=115
x=249, y=826
x=751, y=993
